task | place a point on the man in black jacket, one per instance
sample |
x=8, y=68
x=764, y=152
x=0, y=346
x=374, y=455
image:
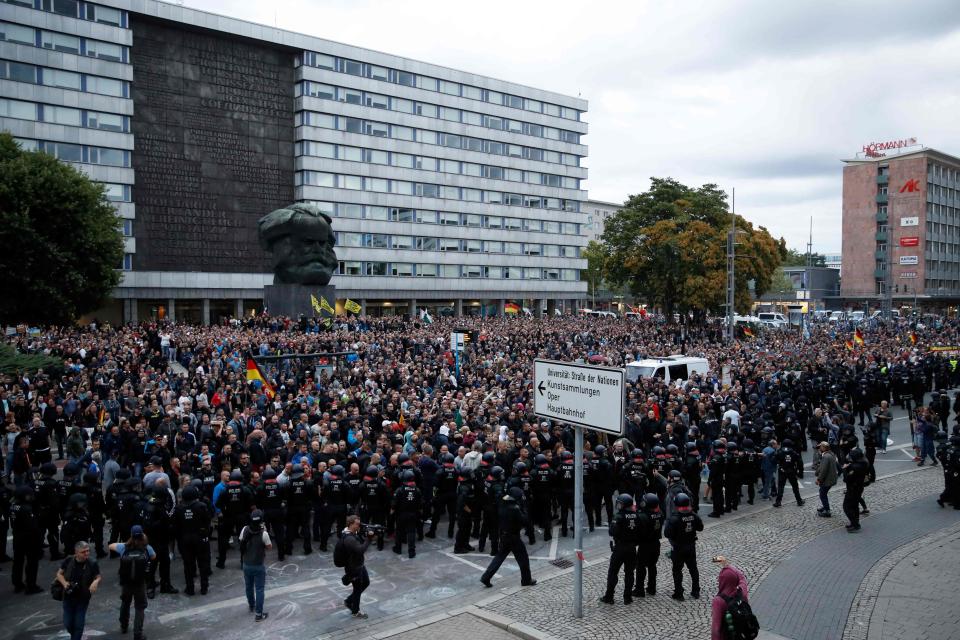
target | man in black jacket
x=355, y=572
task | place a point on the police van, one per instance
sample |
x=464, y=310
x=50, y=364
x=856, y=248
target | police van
x=667, y=369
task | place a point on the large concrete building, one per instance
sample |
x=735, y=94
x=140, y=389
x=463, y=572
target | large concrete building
x=598, y=212
x=447, y=189
x=901, y=227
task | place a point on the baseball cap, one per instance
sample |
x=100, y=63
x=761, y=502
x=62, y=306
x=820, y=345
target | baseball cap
x=136, y=531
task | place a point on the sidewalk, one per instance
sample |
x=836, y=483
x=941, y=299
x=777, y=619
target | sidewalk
x=756, y=543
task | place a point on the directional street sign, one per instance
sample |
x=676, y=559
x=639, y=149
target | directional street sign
x=581, y=394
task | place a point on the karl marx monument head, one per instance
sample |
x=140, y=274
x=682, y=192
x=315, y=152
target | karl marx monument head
x=300, y=241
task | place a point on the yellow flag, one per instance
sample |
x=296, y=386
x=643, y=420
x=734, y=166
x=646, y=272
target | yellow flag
x=326, y=306
x=317, y=308
x=351, y=306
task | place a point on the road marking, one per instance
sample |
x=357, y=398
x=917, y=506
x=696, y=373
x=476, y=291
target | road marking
x=242, y=600
x=460, y=558
x=555, y=540
x=909, y=454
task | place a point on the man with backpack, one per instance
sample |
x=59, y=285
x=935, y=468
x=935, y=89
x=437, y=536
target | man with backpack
x=731, y=617
x=254, y=543
x=135, y=557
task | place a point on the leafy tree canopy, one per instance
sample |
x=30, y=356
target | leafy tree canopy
x=668, y=245
x=62, y=239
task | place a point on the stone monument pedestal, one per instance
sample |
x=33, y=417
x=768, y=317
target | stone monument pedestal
x=293, y=300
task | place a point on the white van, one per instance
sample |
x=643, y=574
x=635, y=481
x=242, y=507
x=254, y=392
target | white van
x=776, y=320
x=837, y=316
x=857, y=316
x=667, y=369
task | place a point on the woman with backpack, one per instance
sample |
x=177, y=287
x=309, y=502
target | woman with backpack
x=731, y=598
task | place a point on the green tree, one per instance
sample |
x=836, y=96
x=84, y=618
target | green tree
x=62, y=239
x=595, y=274
x=668, y=246
x=794, y=258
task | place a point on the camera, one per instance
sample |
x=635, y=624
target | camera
x=376, y=529
x=71, y=589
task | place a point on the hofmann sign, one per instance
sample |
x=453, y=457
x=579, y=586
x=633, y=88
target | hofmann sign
x=580, y=394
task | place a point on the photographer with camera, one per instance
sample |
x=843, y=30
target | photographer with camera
x=348, y=553
x=80, y=577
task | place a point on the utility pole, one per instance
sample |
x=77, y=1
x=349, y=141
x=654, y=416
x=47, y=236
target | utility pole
x=731, y=259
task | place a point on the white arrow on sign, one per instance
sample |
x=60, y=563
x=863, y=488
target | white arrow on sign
x=581, y=394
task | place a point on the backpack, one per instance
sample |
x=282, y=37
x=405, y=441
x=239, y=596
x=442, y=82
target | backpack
x=133, y=567
x=340, y=554
x=739, y=623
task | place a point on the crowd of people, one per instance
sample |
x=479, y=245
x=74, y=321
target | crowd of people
x=395, y=430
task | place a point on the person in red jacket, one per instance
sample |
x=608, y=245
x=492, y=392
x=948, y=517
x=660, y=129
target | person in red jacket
x=730, y=578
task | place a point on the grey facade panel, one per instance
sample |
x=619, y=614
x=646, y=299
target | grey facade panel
x=214, y=146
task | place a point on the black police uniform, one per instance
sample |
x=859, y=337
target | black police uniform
x=271, y=499
x=648, y=549
x=334, y=497
x=48, y=512
x=512, y=522
x=234, y=505
x=603, y=484
x=445, y=500
x=407, y=501
x=27, y=543
x=156, y=524
x=192, y=519
x=493, y=492
x=466, y=505
x=298, y=512
x=718, y=469
x=681, y=530
x=855, y=477
x=374, y=503
x=626, y=533
x=789, y=463
x=541, y=497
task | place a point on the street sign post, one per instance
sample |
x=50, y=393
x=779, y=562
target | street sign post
x=589, y=397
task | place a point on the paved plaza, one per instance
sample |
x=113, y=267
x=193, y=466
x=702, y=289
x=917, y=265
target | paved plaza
x=808, y=577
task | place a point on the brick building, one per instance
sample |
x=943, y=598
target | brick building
x=901, y=227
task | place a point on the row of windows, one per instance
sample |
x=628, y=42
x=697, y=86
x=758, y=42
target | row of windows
x=426, y=136
x=62, y=42
x=943, y=175
x=375, y=72
x=21, y=72
x=424, y=216
x=428, y=270
x=427, y=163
x=421, y=243
x=376, y=100
x=427, y=190
x=75, y=9
x=934, y=287
x=63, y=115
x=937, y=191
x=78, y=152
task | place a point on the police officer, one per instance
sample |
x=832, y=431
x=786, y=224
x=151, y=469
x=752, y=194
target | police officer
x=542, y=490
x=156, y=524
x=718, y=467
x=234, y=504
x=271, y=500
x=512, y=522
x=521, y=478
x=732, y=478
x=333, y=496
x=690, y=469
x=487, y=461
x=27, y=543
x=625, y=531
x=952, y=488
x=749, y=471
x=603, y=483
x=445, y=500
x=97, y=509
x=675, y=487
x=789, y=463
x=566, y=481
x=48, y=508
x=192, y=525
x=298, y=510
x=648, y=550
x=493, y=491
x=374, y=501
x=76, y=522
x=110, y=503
x=466, y=504
x=407, y=501
x=681, y=530
x=855, y=477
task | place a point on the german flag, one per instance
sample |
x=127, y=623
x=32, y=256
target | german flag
x=511, y=307
x=913, y=337
x=255, y=375
x=748, y=332
x=849, y=345
x=858, y=336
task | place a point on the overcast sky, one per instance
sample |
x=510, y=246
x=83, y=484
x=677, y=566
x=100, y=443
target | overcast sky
x=763, y=96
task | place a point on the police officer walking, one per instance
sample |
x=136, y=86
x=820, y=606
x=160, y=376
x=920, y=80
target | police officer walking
x=27, y=547
x=789, y=463
x=407, y=501
x=625, y=531
x=855, y=477
x=681, y=530
x=512, y=522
